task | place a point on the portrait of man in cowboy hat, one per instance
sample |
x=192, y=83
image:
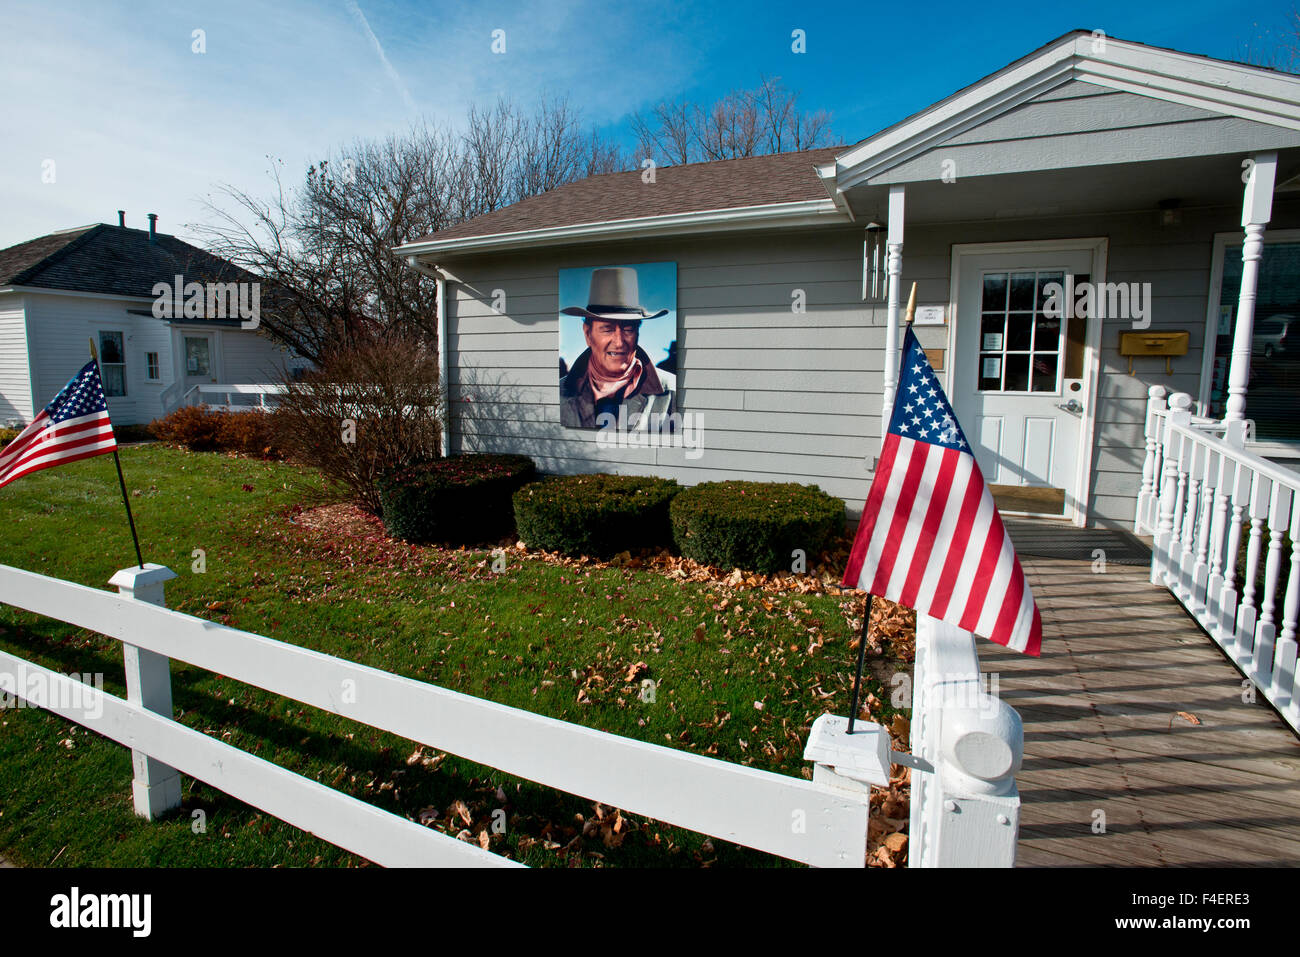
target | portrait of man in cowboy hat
x=614, y=379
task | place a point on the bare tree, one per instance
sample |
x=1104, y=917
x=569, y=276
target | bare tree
x=1277, y=49
x=324, y=250
x=766, y=119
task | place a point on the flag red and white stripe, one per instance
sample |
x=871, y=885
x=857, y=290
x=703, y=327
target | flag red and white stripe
x=74, y=426
x=930, y=536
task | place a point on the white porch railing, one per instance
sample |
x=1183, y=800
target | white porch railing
x=1202, y=491
x=965, y=812
x=231, y=397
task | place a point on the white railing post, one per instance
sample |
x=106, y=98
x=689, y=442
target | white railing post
x=966, y=811
x=1166, y=536
x=977, y=807
x=1144, y=520
x=156, y=787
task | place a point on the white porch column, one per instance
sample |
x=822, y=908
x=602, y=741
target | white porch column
x=1256, y=210
x=894, y=267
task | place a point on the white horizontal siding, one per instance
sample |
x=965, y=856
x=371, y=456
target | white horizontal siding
x=15, y=376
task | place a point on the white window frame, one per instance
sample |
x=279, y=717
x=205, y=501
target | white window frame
x=156, y=376
x=1213, y=297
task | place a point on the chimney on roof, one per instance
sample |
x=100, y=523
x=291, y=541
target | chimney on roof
x=121, y=218
x=153, y=227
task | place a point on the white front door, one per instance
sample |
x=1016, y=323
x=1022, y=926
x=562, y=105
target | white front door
x=1020, y=378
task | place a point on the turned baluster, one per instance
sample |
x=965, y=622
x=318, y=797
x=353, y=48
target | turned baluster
x=1247, y=613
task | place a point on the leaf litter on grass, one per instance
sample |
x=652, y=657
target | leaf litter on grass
x=735, y=598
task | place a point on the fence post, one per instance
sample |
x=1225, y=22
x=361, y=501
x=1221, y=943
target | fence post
x=974, y=801
x=1143, y=520
x=156, y=787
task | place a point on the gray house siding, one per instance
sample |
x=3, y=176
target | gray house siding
x=782, y=396
x=794, y=397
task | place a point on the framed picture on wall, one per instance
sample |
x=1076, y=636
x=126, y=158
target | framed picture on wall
x=618, y=346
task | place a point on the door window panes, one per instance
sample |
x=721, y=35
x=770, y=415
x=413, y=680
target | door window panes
x=197, y=357
x=112, y=362
x=1020, y=346
x=1275, y=342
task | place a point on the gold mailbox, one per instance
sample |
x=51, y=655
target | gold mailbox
x=1167, y=344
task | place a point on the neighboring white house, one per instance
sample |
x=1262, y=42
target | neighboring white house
x=59, y=292
x=1100, y=159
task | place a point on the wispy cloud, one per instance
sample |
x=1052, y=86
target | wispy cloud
x=379, y=51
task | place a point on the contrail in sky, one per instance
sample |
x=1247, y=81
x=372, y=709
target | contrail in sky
x=383, y=58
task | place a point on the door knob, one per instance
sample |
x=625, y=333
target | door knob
x=1074, y=406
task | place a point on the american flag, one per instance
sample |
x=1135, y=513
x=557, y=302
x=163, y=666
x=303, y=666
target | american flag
x=930, y=537
x=73, y=426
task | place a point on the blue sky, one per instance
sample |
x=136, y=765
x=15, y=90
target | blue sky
x=133, y=119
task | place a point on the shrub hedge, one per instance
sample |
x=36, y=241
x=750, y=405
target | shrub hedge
x=595, y=515
x=461, y=499
x=754, y=525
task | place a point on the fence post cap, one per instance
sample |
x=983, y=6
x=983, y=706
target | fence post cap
x=1157, y=392
x=986, y=742
x=1180, y=401
x=137, y=577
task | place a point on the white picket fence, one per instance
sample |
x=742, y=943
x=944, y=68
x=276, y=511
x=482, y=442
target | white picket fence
x=965, y=811
x=1202, y=491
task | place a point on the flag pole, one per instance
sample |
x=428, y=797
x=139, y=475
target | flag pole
x=866, y=615
x=126, y=500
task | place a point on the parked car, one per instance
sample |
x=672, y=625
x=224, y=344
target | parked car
x=1276, y=335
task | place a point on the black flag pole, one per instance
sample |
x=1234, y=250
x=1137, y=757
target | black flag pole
x=862, y=653
x=126, y=500
x=866, y=615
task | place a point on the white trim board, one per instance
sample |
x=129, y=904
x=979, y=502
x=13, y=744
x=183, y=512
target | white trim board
x=773, y=215
x=1099, y=247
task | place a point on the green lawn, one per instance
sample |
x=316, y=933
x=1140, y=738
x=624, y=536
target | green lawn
x=557, y=639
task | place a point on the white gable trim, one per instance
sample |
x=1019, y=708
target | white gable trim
x=1229, y=89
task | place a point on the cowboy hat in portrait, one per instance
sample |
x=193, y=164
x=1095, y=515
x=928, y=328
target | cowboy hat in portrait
x=608, y=357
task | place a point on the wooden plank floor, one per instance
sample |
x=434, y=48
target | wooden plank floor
x=1120, y=659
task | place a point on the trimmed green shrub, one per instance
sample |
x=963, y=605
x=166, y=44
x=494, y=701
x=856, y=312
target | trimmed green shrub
x=462, y=499
x=754, y=525
x=7, y=436
x=595, y=515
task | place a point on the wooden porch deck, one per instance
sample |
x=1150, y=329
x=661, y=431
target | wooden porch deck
x=1102, y=732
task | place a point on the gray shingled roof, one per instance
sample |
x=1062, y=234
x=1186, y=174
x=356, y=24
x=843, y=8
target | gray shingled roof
x=691, y=187
x=114, y=260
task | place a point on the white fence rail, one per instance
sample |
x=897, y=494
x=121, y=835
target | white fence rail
x=1203, y=495
x=821, y=822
